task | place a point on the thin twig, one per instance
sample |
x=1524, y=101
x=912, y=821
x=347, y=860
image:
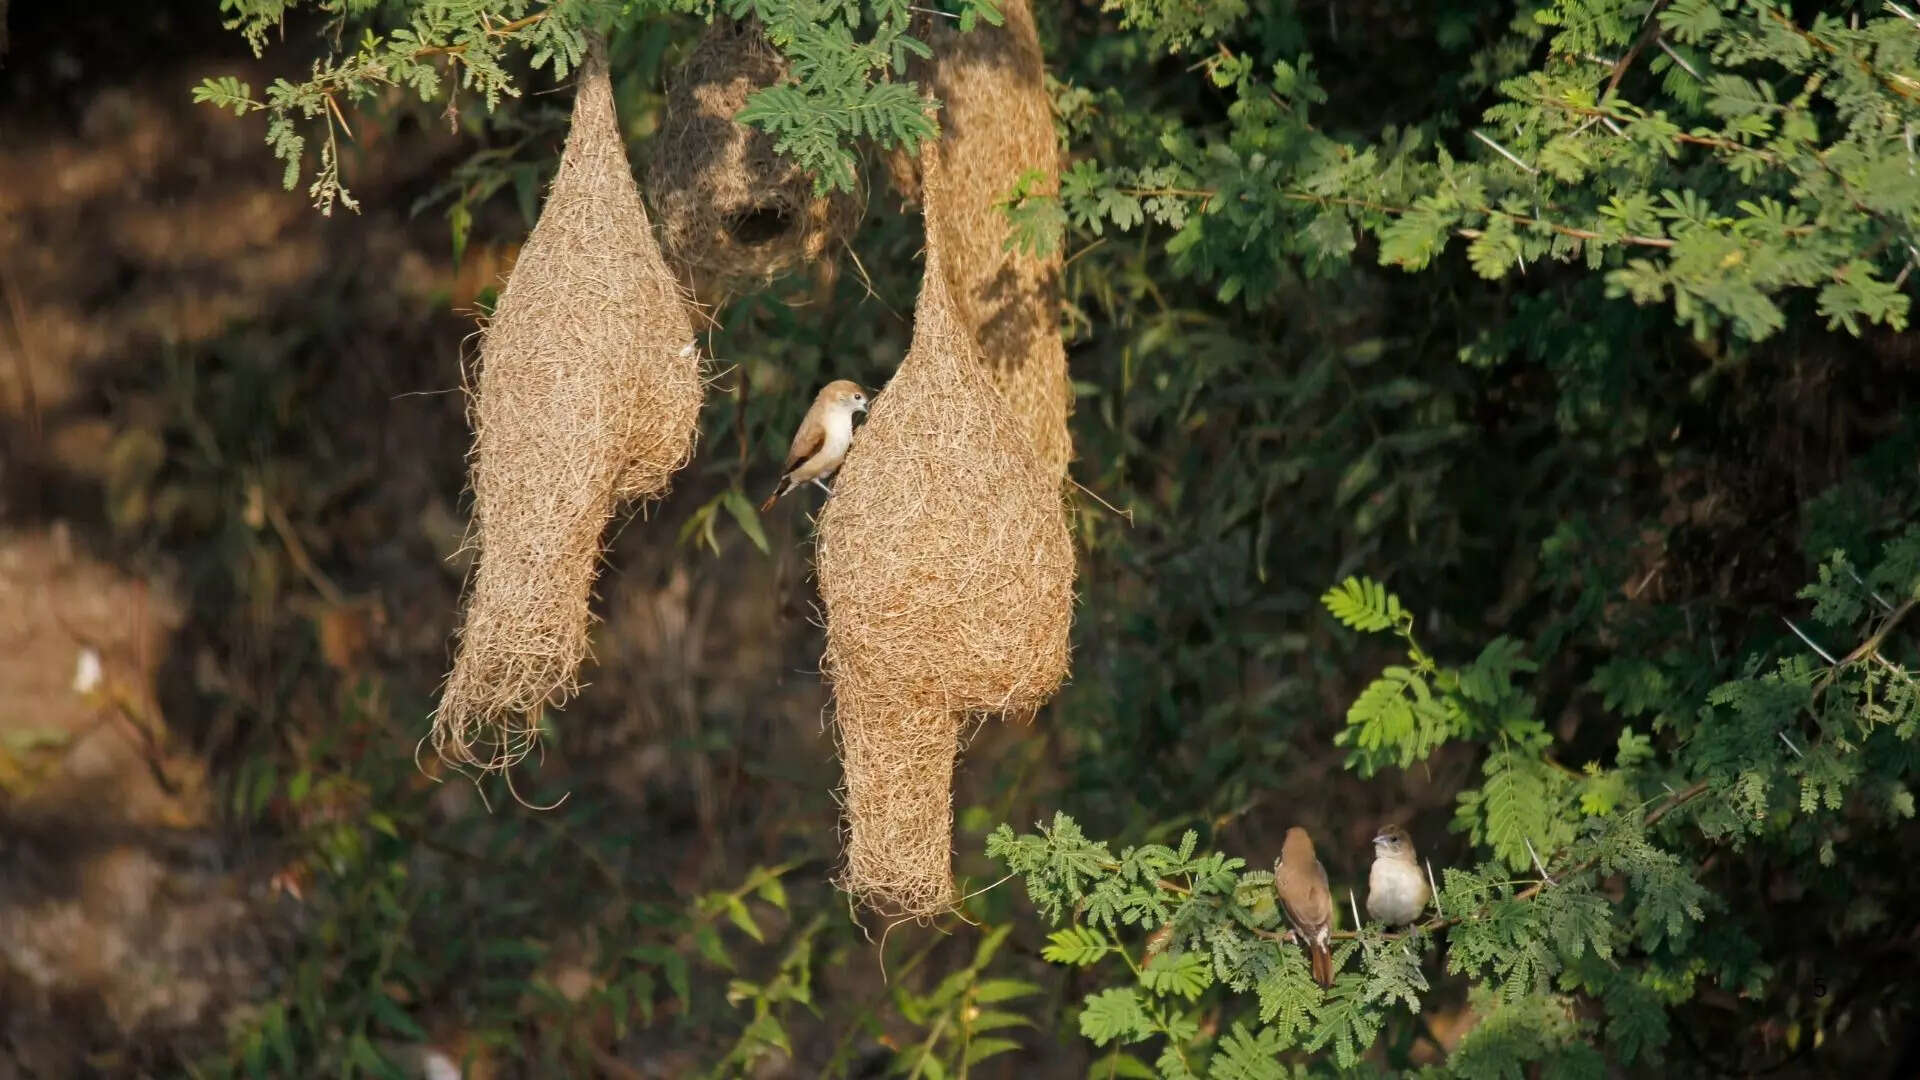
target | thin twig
x=23, y=362
x=503, y=30
x=1674, y=802
x=1827, y=47
x=1075, y=257
x=1872, y=645
x=1648, y=30
x=297, y=551
x=1517, y=219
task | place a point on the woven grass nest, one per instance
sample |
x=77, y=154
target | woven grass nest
x=734, y=213
x=588, y=394
x=947, y=573
x=997, y=125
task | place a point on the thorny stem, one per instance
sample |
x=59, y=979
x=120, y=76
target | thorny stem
x=1868, y=649
x=1650, y=33
x=1205, y=196
x=1517, y=219
x=1827, y=47
x=503, y=30
x=1650, y=29
x=1673, y=802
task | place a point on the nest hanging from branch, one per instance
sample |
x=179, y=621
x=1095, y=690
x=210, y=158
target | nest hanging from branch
x=997, y=128
x=588, y=397
x=947, y=573
x=735, y=214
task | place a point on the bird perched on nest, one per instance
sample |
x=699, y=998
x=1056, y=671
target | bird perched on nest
x=1397, y=892
x=1301, y=882
x=821, y=443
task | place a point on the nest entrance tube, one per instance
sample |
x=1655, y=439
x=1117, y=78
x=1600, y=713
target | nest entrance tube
x=946, y=570
x=898, y=802
x=588, y=395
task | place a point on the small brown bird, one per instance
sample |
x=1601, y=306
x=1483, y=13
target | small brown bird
x=1302, y=884
x=1397, y=892
x=821, y=443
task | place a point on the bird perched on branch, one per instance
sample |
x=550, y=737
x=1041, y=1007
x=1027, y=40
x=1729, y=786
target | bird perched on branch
x=821, y=443
x=1397, y=892
x=1301, y=882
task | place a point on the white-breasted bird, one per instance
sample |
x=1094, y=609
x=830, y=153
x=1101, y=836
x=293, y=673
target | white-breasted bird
x=1397, y=892
x=821, y=443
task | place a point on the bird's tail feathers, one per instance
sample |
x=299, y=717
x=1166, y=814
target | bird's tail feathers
x=779, y=489
x=1322, y=963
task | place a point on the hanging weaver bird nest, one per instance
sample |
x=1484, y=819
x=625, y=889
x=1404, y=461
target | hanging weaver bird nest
x=997, y=127
x=734, y=212
x=589, y=392
x=947, y=573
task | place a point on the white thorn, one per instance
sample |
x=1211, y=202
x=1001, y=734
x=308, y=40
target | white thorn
x=1790, y=746
x=1506, y=153
x=1435, y=887
x=1850, y=573
x=1356, y=909
x=1677, y=59
x=1536, y=861
x=1810, y=643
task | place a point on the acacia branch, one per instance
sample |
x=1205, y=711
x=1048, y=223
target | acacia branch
x=1673, y=802
x=1830, y=49
x=1470, y=233
x=1649, y=30
x=503, y=30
